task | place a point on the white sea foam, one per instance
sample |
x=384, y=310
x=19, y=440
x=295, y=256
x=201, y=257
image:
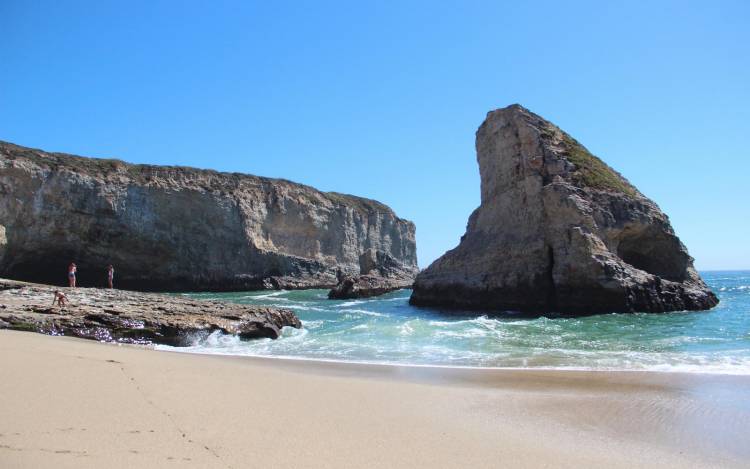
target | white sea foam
x=463, y=334
x=731, y=368
x=301, y=307
x=313, y=324
x=346, y=304
x=364, y=311
x=713, y=342
x=274, y=294
x=405, y=329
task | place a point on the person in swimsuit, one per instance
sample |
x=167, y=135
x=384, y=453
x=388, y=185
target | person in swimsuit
x=72, y=275
x=110, y=275
x=59, y=298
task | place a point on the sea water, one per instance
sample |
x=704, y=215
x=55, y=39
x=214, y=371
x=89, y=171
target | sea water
x=387, y=329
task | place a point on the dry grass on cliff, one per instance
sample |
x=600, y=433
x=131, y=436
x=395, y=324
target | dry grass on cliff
x=360, y=203
x=593, y=172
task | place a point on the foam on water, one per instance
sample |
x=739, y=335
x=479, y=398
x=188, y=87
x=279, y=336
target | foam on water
x=387, y=330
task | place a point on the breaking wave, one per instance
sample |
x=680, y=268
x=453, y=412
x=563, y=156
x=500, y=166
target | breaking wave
x=387, y=330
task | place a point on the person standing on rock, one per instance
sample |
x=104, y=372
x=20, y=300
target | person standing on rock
x=72, y=275
x=110, y=275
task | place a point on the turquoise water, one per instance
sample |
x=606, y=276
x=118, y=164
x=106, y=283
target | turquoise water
x=387, y=330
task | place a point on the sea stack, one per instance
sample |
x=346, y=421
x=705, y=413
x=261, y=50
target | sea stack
x=559, y=231
x=175, y=228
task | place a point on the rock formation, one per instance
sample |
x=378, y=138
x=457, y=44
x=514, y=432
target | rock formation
x=379, y=274
x=559, y=231
x=176, y=228
x=365, y=286
x=129, y=317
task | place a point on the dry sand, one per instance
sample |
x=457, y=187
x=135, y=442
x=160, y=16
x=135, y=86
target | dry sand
x=73, y=403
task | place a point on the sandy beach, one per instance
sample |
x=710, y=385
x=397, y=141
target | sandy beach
x=74, y=403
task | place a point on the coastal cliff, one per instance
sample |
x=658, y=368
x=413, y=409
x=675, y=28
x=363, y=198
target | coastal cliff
x=559, y=231
x=176, y=228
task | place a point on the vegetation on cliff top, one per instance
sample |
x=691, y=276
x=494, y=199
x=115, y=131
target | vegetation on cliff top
x=210, y=180
x=360, y=203
x=593, y=172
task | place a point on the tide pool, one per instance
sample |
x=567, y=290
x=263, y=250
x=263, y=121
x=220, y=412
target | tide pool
x=387, y=329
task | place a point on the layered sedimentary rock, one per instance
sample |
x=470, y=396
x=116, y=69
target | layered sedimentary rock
x=365, y=286
x=378, y=274
x=130, y=317
x=559, y=231
x=176, y=228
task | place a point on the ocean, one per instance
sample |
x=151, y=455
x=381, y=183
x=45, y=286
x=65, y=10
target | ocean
x=387, y=329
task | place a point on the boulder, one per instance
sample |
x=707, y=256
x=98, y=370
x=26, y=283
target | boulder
x=558, y=230
x=364, y=286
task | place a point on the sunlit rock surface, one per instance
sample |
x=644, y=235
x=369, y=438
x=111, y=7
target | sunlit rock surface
x=176, y=228
x=559, y=231
x=131, y=317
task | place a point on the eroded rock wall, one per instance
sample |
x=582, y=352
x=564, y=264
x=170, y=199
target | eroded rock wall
x=559, y=231
x=175, y=228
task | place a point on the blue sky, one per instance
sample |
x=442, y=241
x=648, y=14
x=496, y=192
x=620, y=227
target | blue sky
x=382, y=99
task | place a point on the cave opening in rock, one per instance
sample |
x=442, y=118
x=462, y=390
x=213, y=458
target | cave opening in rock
x=661, y=255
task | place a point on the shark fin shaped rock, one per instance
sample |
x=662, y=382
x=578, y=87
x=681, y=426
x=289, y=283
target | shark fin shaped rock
x=559, y=231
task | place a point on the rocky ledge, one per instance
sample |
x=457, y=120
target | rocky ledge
x=130, y=317
x=559, y=231
x=365, y=286
x=378, y=275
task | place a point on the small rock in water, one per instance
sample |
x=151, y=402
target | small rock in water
x=365, y=286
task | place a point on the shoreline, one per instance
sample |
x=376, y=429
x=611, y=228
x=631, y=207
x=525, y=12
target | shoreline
x=69, y=402
x=101, y=314
x=158, y=348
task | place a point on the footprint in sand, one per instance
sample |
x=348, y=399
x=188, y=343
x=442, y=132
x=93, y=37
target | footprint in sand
x=10, y=448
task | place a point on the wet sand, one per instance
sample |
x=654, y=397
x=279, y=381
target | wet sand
x=74, y=403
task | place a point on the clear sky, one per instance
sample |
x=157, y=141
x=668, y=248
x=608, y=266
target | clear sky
x=382, y=99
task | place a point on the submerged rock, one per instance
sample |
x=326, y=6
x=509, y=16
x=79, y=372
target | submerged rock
x=184, y=229
x=559, y=231
x=130, y=317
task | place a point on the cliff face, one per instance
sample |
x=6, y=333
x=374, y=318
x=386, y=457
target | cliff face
x=175, y=228
x=559, y=230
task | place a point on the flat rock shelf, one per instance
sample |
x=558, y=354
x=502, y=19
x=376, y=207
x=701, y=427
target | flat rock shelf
x=132, y=317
